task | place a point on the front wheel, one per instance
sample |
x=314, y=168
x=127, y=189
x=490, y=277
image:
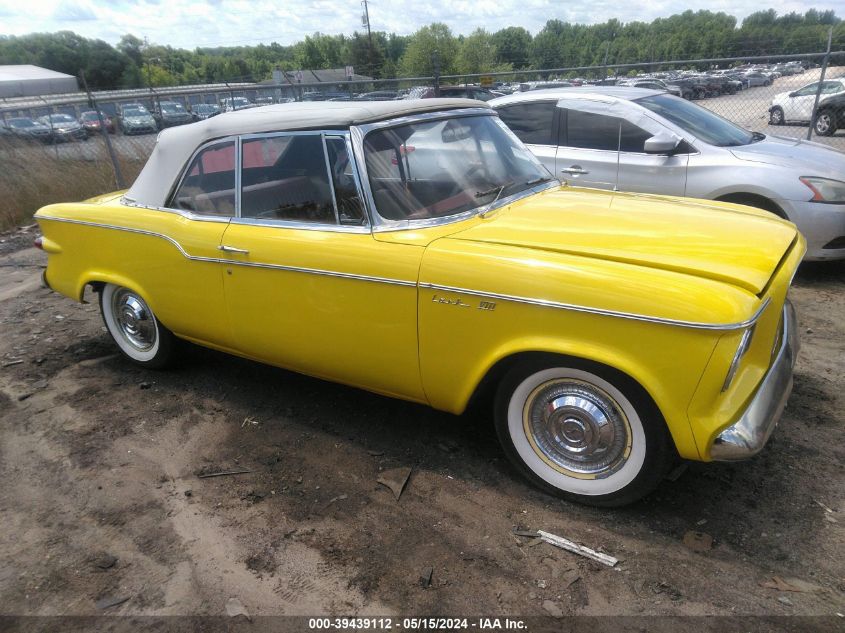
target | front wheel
x=140, y=336
x=824, y=125
x=776, y=116
x=582, y=433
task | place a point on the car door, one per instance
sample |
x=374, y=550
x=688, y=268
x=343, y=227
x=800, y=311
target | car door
x=599, y=147
x=799, y=105
x=307, y=286
x=535, y=123
x=186, y=280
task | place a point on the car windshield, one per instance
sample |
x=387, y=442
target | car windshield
x=435, y=169
x=134, y=112
x=91, y=116
x=172, y=108
x=698, y=121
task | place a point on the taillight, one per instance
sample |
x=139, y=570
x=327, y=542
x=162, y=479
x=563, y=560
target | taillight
x=39, y=242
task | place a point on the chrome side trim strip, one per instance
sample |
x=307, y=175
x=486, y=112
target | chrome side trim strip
x=612, y=313
x=233, y=262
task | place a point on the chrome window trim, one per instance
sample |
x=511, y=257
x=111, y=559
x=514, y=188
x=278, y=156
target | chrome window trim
x=233, y=262
x=330, y=178
x=302, y=226
x=238, y=178
x=466, y=215
x=612, y=313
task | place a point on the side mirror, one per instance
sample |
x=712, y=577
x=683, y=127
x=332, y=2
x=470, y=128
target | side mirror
x=662, y=143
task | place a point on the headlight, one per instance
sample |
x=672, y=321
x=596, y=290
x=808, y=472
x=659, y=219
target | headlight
x=744, y=344
x=824, y=189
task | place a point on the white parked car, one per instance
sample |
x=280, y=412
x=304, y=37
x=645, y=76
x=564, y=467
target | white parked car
x=633, y=139
x=798, y=105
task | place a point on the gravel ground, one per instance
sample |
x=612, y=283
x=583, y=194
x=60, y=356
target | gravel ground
x=101, y=496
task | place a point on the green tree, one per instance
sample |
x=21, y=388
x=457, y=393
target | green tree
x=477, y=54
x=418, y=59
x=513, y=46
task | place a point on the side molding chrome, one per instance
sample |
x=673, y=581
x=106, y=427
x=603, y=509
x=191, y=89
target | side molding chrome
x=611, y=313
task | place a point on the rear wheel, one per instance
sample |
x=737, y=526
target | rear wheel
x=776, y=116
x=824, y=125
x=134, y=327
x=582, y=432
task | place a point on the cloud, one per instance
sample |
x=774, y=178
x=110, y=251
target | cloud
x=74, y=12
x=208, y=23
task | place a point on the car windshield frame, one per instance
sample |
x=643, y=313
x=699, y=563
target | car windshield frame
x=703, y=124
x=496, y=195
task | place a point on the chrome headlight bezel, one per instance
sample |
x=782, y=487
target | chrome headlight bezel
x=742, y=348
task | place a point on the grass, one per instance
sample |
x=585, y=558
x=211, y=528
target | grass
x=32, y=176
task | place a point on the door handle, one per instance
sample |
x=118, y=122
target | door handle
x=574, y=170
x=232, y=249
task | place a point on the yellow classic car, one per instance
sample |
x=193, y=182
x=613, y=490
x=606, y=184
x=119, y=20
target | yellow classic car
x=418, y=250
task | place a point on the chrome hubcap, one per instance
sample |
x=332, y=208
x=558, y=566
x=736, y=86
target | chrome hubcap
x=135, y=321
x=823, y=123
x=577, y=428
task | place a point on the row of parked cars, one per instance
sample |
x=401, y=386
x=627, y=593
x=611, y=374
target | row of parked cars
x=132, y=118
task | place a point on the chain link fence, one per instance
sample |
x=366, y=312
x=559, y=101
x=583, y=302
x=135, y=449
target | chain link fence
x=50, y=164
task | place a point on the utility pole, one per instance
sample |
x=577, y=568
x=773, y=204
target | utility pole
x=366, y=20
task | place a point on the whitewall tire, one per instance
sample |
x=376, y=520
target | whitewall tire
x=582, y=431
x=139, y=335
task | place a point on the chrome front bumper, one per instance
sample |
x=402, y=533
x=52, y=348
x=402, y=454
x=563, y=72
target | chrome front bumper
x=748, y=435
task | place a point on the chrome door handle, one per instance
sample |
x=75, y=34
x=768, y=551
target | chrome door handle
x=232, y=249
x=574, y=170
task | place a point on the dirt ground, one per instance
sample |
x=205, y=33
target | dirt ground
x=100, y=496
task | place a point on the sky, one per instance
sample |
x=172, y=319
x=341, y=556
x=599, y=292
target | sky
x=185, y=24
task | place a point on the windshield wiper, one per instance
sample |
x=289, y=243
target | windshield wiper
x=497, y=190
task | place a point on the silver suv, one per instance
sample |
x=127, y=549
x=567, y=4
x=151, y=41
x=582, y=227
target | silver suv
x=633, y=139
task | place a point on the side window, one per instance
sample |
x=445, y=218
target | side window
x=531, y=122
x=209, y=187
x=596, y=131
x=831, y=87
x=286, y=178
x=808, y=90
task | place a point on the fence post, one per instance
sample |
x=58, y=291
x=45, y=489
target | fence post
x=118, y=174
x=821, y=80
x=435, y=62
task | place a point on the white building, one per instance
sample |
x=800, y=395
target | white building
x=27, y=80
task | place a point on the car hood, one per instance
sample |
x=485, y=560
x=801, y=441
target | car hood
x=140, y=120
x=701, y=238
x=811, y=159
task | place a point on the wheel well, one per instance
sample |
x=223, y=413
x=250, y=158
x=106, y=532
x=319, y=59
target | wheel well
x=486, y=389
x=96, y=286
x=754, y=200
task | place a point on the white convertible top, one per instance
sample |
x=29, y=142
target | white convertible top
x=174, y=146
